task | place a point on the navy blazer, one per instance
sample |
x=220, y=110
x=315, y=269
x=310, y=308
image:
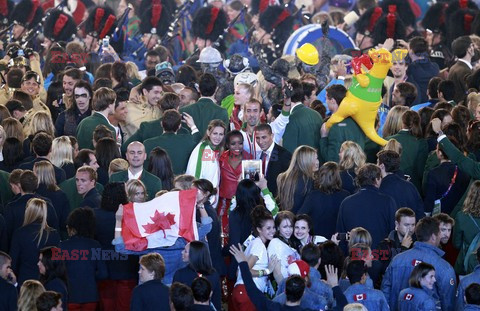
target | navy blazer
x=60, y=175
x=25, y=250
x=15, y=213
x=121, y=266
x=301, y=192
x=60, y=204
x=278, y=163
x=348, y=180
x=150, y=296
x=239, y=228
x=370, y=209
x=3, y=235
x=91, y=199
x=8, y=292
x=404, y=193
x=57, y=285
x=186, y=276
x=83, y=270
x=323, y=209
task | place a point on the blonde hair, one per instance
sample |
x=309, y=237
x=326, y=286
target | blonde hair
x=46, y=175
x=355, y=307
x=394, y=145
x=117, y=165
x=134, y=185
x=36, y=211
x=62, y=151
x=13, y=128
x=353, y=156
x=394, y=123
x=29, y=292
x=472, y=201
x=359, y=235
x=473, y=100
x=41, y=121
x=301, y=166
x=132, y=71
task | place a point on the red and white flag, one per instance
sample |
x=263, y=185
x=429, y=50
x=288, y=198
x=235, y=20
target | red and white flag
x=161, y=221
x=359, y=297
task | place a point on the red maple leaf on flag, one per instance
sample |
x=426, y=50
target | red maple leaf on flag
x=160, y=222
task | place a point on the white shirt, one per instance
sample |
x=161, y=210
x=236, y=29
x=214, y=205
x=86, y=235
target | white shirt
x=134, y=176
x=269, y=154
x=256, y=248
x=468, y=64
x=284, y=253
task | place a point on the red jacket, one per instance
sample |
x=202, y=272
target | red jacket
x=229, y=176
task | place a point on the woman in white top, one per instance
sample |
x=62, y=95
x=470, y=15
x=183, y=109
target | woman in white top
x=258, y=261
x=281, y=245
x=203, y=162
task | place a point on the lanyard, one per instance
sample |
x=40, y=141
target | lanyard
x=251, y=144
x=451, y=183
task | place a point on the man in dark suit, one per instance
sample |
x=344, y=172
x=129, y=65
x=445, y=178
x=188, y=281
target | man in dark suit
x=275, y=159
x=136, y=157
x=15, y=210
x=42, y=145
x=103, y=105
x=368, y=208
x=305, y=123
x=401, y=190
x=205, y=109
x=464, y=49
x=86, y=178
x=7, y=289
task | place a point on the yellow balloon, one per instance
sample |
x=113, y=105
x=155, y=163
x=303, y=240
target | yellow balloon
x=364, y=95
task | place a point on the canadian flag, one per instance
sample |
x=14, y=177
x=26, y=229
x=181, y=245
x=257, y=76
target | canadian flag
x=360, y=297
x=408, y=296
x=161, y=221
x=415, y=262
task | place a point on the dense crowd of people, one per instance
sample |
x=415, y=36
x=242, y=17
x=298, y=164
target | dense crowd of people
x=111, y=107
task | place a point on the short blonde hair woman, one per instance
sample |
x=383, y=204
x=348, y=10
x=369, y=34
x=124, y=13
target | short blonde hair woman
x=29, y=292
x=136, y=191
x=351, y=159
x=394, y=123
x=117, y=165
x=297, y=180
x=62, y=151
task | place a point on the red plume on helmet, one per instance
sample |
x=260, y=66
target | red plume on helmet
x=391, y=20
x=263, y=6
x=463, y=4
x=4, y=7
x=281, y=18
x=98, y=18
x=35, y=5
x=109, y=24
x=60, y=24
x=213, y=18
x=467, y=22
x=377, y=13
x=156, y=13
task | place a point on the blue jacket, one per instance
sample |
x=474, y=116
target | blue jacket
x=151, y=295
x=418, y=299
x=372, y=299
x=8, y=292
x=320, y=293
x=473, y=277
x=472, y=308
x=399, y=270
x=404, y=193
x=370, y=209
x=83, y=268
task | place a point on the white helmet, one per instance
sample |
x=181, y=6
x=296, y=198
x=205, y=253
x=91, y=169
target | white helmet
x=246, y=77
x=209, y=55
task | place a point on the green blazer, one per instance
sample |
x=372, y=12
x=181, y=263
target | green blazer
x=151, y=182
x=6, y=193
x=87, y=126
x=69, y=186
x=340, y=132
x=464, y=232
x=303, y=128
x=204, y=111
x=148, y=129
x=414, y=155
x=464, y=163
x=178, y=146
